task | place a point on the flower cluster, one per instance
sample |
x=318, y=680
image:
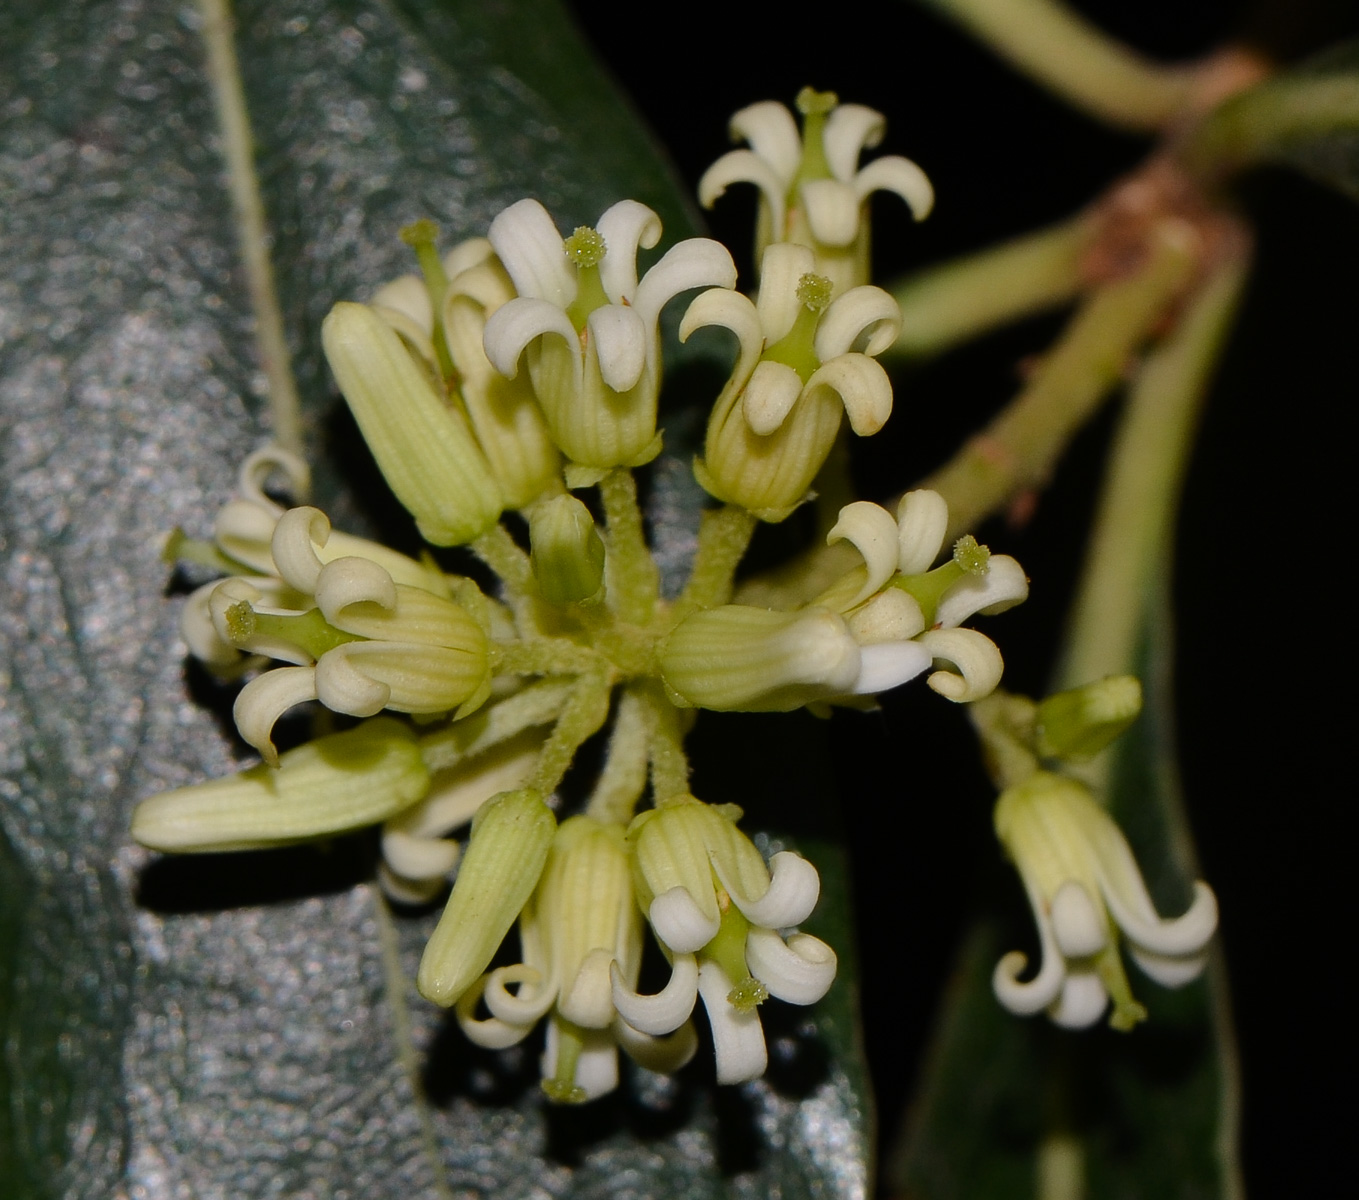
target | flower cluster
x=512, y=374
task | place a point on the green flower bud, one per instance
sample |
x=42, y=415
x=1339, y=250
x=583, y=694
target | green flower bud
x=736, y=658
x=1079, y=723
x=422, y=445
x=511, y=835
x=334, y=784
x=568, y=553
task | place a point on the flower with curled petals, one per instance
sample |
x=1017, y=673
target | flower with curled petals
x=361, y=642
x=587, y=327
x=1085, y=889
x=804, y=360
x=579, y=930
x=720, y=911
x=906, y=616
x=812, y=190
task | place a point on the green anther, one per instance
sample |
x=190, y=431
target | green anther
x=309, y=631
x=562, y=1088
x=585, y=247
x=728, y=951
x=422, y=236
x=810, y=102
x=971, y=555
x=815, y=292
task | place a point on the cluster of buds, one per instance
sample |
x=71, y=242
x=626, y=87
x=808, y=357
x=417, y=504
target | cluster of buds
x=519, y=369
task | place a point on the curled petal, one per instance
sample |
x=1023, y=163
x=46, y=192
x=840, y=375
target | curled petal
x=732, y=310
x=769, y=396
x=407, y=297
x=799, y=971
x=664, y=1054
x=492, y=1034
x=1182, y=936
x=1024, y=999
x=794, y=888
x=866, y=318
x=244, y=529
x=418, y=857
x=1081, y=1003
x=514, y=325
x=922, y=521
x=620, y=340
x=886, y=665
x=1076, y=924
x=832, y=211
x=258, y=467
x=896, y=174
x=738, y=1037
x=266, y=698
x=587, y=1000
x=342, y=687
x=873, y=533
x=694, y=263
x=772, y=133
x=467, y=254
x=293, y=549
x=528, y=1007
x=200, y=634
x=680, y=923
x=850, y=129
x=669, y=1008
x=862, y=386
x=1003, y=586
x=892, y=616
x=530, y=245
x=353, y=580
x=781, y=266
x=744, y=166
x=1166, y=970
x=975, y=655
x=625, y=227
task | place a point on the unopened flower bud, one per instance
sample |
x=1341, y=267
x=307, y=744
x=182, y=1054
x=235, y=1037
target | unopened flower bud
x=1079, y=723
x=568, y=553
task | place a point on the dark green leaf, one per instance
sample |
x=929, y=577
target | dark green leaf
x=225, y=1025
x=1153, y=1111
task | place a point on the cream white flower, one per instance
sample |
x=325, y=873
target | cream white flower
x=589, y=328
x=1085, y=889
x=804, y=360
x=721, y=913
x=580, y=929
x=906, y=616
x=361, y=642
x=812, y=191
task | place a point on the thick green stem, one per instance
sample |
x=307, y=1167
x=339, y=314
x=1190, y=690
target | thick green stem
x=1069, y=56
x=946, y=305
x=499, y=551
x=669, y=763
x=623, y=779
x=1135, y=519
x=546, y=656
x=631, y=577
x=1019, y=449
x=1267, y=121
x=722, y=540
x=583, y=717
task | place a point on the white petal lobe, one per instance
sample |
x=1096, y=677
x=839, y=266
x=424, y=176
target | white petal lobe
x=738, y=1038
x=899, y=175
x=873, y=533
x=799, y=971
x=620, y=340
x=669, y=1008
x=514, y=325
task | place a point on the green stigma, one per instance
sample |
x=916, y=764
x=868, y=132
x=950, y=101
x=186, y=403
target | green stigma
x=811, y=102
x=815, y=292
x=969, y=554
x=240, y=621
x=421, y=233
x=747, y=995
x=585, y=247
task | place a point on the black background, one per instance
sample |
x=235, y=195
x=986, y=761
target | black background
x=1263, y=643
